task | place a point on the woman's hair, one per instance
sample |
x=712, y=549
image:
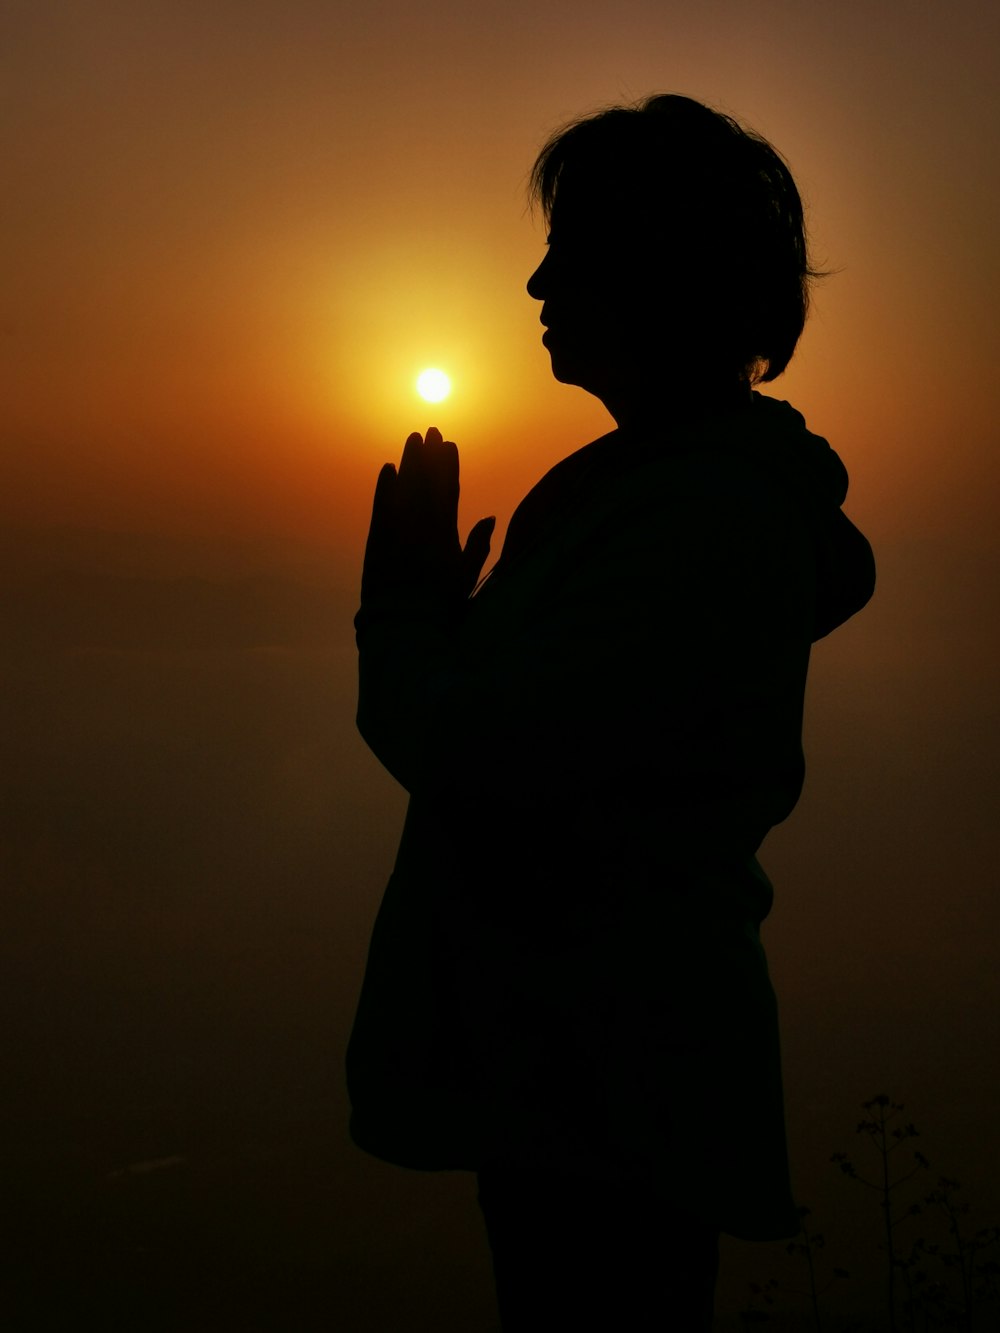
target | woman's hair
x=717, y=210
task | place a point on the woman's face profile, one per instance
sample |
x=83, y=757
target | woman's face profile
x=594, y=285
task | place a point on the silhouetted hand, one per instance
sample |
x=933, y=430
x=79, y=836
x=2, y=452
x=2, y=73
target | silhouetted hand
x=413, y=551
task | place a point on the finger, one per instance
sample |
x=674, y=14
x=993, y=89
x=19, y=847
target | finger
x=385, y=491
x=381, y=544
x=445, y=471
x=481, y=532
x=428, y=472
x=411, y=465
x=383, y=520
x=384, y=481
x=413, y=442
x=432, y=451
x=444, y=454
x=477, y=548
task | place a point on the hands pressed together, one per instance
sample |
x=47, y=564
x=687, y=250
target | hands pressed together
x=414, y=554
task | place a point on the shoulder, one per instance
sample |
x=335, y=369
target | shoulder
x=711, y=494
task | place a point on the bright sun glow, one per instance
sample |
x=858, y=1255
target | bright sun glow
x=433, y=385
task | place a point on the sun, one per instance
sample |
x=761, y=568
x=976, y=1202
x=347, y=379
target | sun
x=433, y=385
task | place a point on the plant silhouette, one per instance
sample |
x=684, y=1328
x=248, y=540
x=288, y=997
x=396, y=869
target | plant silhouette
x=807, y=1246
x=887, y=1138
x=948, y=1279
x=970, y=1280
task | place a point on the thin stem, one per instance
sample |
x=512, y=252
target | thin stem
x=886, y=1187
x=812, y=1287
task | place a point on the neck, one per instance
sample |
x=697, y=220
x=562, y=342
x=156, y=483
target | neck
x=654, y=406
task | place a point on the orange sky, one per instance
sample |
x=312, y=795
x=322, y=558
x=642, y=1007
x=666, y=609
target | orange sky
x=236, y=231
x=233, y=234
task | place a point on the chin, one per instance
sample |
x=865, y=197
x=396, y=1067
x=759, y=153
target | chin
x=563, y=375
x=566, y=369
x=568, y=372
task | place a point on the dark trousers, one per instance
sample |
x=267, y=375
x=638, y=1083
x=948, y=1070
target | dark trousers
x=574, y=1253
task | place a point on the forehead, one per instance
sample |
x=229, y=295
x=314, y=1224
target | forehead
x=591, y=206
x=585, y=188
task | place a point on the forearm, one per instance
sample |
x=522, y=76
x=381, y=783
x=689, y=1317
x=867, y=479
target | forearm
x=405, y=668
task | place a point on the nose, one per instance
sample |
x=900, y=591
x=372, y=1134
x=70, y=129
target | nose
x=537, y=282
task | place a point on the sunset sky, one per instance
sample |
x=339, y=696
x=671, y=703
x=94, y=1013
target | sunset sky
x=234, y=232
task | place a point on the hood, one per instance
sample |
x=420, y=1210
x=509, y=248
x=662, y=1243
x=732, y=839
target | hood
x=805, y=464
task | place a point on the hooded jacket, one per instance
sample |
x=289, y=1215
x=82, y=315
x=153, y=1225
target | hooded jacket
x=566, y=969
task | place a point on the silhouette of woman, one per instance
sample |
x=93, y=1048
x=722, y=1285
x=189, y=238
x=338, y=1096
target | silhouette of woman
x=566, y=991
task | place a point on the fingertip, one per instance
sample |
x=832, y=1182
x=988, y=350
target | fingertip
x=482, y=534
x=385, y=484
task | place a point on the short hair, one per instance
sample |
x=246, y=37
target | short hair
x=717, y=196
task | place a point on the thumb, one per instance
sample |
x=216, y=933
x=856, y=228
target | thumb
x=474, y=554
